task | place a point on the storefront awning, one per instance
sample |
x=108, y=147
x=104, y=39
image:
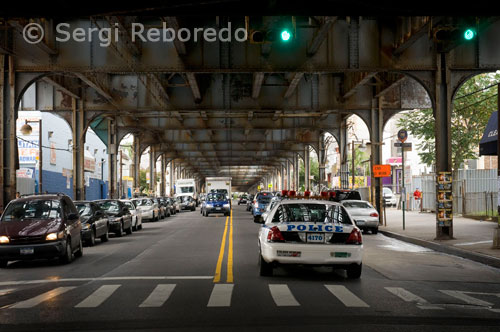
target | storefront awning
x=488, y=144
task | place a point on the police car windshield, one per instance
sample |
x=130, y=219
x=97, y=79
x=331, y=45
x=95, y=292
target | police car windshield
x=311, y=212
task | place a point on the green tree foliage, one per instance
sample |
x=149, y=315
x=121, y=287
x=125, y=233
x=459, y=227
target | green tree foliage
x=472, y=107
x=314, y=170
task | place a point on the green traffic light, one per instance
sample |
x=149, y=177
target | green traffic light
x=285, y=35
x=469, y=34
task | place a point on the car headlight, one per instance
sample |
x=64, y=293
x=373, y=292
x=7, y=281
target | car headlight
x=54, y=236
x=4, y=239
x=226, y=205
x=209, y=206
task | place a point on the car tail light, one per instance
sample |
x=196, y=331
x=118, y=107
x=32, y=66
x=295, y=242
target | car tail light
x=354, y=237
x=255, y=204
x=275, y=235
x=374, y=214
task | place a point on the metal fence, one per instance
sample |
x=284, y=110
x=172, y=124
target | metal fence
x=475, y=191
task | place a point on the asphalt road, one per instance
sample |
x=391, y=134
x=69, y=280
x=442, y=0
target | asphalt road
x=183, y=274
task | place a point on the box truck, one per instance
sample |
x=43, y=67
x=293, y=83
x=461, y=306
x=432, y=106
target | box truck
x=219, y=184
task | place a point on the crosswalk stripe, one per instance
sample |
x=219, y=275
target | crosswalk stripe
x=221, y=295
x=6, y=291
x=30, y=303
x=410, y=297
x=466, y=298
x=282, y=296
x=158, y=296
x=346, y=296
x=98, y=297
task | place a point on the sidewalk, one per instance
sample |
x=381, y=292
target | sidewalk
x=473, y=238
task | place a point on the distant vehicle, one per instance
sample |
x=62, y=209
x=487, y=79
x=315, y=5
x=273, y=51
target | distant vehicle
x=162, y=207
x=365, y=216
x=220, y=185
x=389, y=198
x=149, y=208
x=243, y=199
x=260, y=204
x=250, y=202
x=169, y=205
x=186, y=187
x=308, y=232
x=136, y=214
x=187, y=203
x=119, y=216
x=40, y=226
x=338, y=195
x=216, y=203
x=94, y=222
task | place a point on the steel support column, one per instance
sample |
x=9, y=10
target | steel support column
x=172, y=178
x=307, y=170
x=444, y=230
x=152, y=170
x=163, y=178
x=344, y=172
x=77, y=128
x=322, y=161
x=112, y=157
x=376, y=138
x=288, y=183
x=296, y=172
x=137, y=163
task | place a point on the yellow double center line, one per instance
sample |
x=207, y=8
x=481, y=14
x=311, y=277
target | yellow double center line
x=229, y=278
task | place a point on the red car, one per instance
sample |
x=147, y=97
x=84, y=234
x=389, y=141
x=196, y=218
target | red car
x=40, y=226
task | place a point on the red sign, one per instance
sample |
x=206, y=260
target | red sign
x=381, y=171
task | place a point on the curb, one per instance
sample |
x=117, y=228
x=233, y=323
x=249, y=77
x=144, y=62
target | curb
x=477, y=257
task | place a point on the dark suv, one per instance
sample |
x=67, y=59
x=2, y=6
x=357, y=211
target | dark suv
x=338, y=195
x=40, y=226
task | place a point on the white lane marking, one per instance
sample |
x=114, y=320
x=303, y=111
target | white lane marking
x=410, y=297
x=472, y=243
x=30, y=303
x=466, y=298
x=346, y=296
x=46, y=281
x=282, y=296
x=158, y=296
x=6, y=291
x=221, y=295
x=98, y=297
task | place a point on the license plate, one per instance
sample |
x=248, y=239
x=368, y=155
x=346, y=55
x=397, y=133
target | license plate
x=341, y=254
x=218, y=208
x=316, y=237
x=284, y=253
x=360, y=221
x=27, y=251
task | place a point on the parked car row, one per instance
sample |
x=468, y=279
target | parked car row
x=53, y=226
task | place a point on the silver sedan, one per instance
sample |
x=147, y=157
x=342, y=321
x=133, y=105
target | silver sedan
x=363, y=213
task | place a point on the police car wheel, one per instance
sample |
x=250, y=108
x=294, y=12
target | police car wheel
x=265, y=269
x=354, y=271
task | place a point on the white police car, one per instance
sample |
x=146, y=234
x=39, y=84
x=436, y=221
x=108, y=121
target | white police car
x=310, y=232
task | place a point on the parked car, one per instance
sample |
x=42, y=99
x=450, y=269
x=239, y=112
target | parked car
x=119, y=216
x=338, y=195
x=216, y=203
x=177, y=204
x=308, y=232
x=162, y=208
x=40, y=226
x=365, y=216
x=173, y=203
x=148, y=207
x=259, y=206
x=169, y=205
x=94, y=222
x=389, y=198
x=187, y=203
x=136, y=214
x=250, y=202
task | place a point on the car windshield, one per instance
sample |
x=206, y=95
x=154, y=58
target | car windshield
x=84, y=209
x=35, y=209
x=357, y=205
x=215, y=197
x=185, y=199
x=187, y=190
x=129, y=205
x=143, y=202
x=312, y=212
x=110, y=206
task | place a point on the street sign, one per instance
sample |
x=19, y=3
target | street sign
x=406, y=146
x=270, y=185
x=402, y=135
x=380, y=171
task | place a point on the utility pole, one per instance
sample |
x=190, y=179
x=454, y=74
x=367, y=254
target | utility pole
x=120, y=182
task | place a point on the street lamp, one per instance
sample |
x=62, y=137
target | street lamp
x=26, y=129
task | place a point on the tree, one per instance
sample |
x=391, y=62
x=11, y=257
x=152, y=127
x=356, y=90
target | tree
x=472, y=107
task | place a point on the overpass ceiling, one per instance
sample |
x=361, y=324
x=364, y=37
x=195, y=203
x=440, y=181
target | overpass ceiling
x=237, y=107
